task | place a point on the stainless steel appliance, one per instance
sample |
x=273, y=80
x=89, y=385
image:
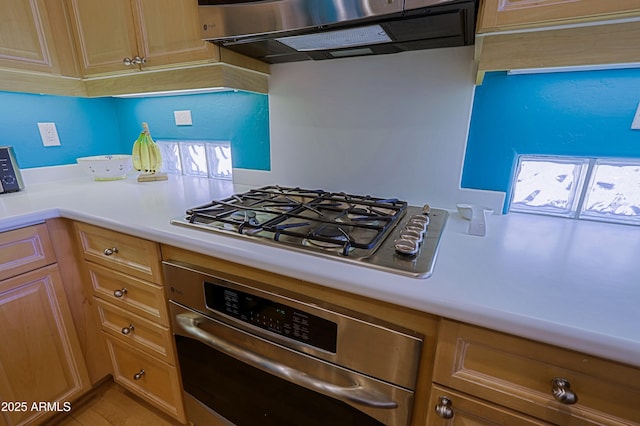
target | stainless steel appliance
x=385, y=234
x=278, y=31
x=250, y=356
x=10, y=176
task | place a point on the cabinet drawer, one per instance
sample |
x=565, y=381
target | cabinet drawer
x=467, y=411
x=25, y=249
x=131, y=255
x=138, y=296
x=147, y=377
x=136, y=331
x=518, y=373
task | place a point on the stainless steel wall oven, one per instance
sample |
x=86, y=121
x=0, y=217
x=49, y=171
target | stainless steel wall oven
x=254, y=355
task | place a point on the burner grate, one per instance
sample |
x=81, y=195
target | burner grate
x=316, y=218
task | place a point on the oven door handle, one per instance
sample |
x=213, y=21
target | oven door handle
x=356, y=393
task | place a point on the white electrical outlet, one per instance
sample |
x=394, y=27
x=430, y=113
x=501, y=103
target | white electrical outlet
x=635, y=124
x=183, y=118
x=49, y=134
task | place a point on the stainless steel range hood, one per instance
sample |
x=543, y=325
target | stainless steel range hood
x=277, y=31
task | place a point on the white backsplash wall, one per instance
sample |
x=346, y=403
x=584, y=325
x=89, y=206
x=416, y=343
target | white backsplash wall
x=388, y=126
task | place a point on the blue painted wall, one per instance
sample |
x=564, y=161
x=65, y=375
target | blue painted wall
x=242, y=118
x=110, y=125
x=85, y=127
x=574, y=114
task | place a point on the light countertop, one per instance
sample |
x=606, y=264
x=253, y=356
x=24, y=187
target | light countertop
x=575, y=284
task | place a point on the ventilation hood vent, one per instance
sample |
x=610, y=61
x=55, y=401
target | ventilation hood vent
x=277, y=31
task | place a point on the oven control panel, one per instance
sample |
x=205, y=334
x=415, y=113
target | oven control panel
x=272, y=316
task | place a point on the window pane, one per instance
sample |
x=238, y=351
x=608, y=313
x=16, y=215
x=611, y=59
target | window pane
x=194, y=158
x=548, y=185
x=219, y=157
x=614, y=192
x=170, y=157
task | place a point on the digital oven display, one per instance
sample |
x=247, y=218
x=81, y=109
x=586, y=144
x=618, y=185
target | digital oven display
x=272, y=316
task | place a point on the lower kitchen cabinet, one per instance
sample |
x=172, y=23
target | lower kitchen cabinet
x=514, y=375
x=123, y=275
x=147, y=377
x=40, y=358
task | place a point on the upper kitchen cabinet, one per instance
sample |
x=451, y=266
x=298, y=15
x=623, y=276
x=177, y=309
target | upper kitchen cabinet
x=36, y=49
x=118, y=41
x=499, y=15
x=133, y=35
x=537, y=34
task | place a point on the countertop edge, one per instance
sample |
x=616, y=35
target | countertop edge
x=553, y=333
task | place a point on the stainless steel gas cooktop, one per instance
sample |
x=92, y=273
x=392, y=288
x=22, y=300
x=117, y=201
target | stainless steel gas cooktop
x=385, y=234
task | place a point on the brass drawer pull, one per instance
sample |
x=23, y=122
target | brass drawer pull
x=127, y=330
x=138, y=375
x=110, y=251
x=561, y=390
x=444, y=408
x=120, y=293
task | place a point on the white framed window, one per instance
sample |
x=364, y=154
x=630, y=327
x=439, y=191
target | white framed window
x=577, y=187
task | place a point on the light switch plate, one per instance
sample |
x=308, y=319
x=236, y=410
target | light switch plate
x=183, y=118
x=49, y=134
x=635, y=125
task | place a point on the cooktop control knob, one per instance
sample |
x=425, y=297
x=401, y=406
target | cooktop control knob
x=405, y=246
x=413, y=233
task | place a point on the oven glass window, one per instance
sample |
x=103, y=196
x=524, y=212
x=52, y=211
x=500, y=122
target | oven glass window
x=247, y=396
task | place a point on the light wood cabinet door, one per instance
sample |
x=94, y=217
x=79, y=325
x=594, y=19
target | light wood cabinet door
x=498, y=15
x=26, y=36
x=35, y=37
x=169, y=33
x=37, y=49
x=40, y=357
x=159, y=32
x=105, y=35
